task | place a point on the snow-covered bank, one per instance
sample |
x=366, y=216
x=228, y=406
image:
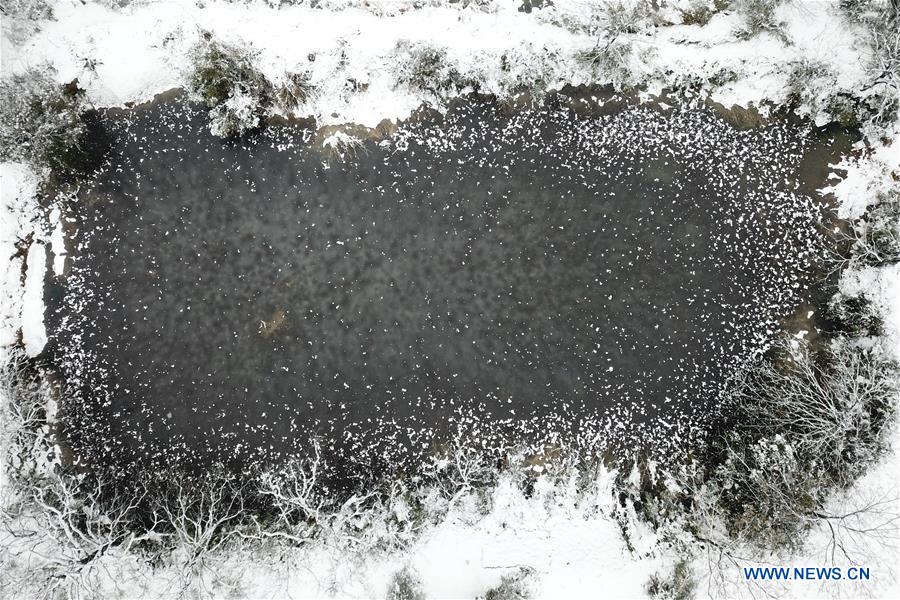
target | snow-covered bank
x=572, y=542
x=353, y=55
x=21, y=289
x=872, y=174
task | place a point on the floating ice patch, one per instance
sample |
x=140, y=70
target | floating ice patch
x=34, y=334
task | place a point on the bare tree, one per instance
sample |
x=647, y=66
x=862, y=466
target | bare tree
x=873, y=240
x=23, y=418
x=296, y=495
x=835, y=406
x=69, y=525
x=202, y=517
x=460, y=468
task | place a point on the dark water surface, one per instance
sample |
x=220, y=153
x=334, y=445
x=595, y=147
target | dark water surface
x=543, y=274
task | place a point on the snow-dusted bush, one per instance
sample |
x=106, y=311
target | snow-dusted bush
x=526, y=74
x=880, y=19
x=806, y=81
x=610, y=61
x=678, y=584
x=813, y=90
x=41, y=122
x=873, y=240
x=385, y=516
x=293, y=91
x=301, y=509
x=21, y=18
x=405, y=584
x=25, y=395
x=698, y=12
x=800, y=426
x=767, y=494
x=605, y=18
x=862, y=10
x=518, y=585
x=32, y=10
x=424, y=67
x=460, y=470
x=844, y=109
x=758, y=16
x=57, y=524
x=614, y=57
x=833, y=407
x=225, y=78
x=854, y=316
x=340, y=146
x=72, y=521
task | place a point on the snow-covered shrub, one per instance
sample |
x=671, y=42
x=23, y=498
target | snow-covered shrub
x=292, y=91
x=806, y=82
x=862, y=10
x=405, y=585
x=610, y=61
x=625, y=16
x=526, y=73
x=424, y=67
x=460, y=470
x=25, y=395
x=679, y=584
x=73, y=520
x=698, y=12
x=844, y=109
x=766, y=493
x=518, y=585
x=340, y=146
x=614, y=56
x=879, y=21
x=874, y=239
x=225, y=78
x=758, y=16
x=604, y=20
x=32, y=10
x=834, y=407
x=57, y=524
x=854, y=316
x=21, y=18
x=300, y=509
x=798, y=428
x=813, y=90
x=42, y=122
x=802, y=426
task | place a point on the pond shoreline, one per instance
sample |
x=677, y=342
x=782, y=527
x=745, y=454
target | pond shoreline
x=578, y=100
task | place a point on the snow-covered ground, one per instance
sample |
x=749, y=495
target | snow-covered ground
x=21, y=312
x=127, y=55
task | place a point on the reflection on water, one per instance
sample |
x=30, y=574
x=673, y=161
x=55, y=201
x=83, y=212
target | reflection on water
x=544, y=272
